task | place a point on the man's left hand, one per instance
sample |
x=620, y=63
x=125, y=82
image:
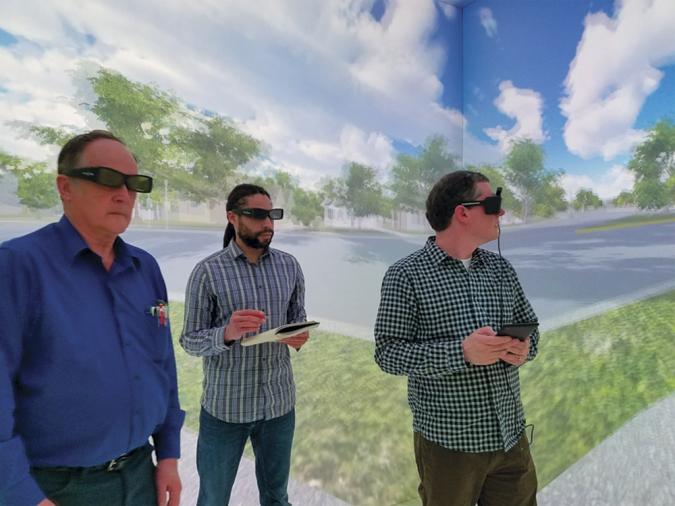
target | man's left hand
x=167, y=482
x=296, y=341
x=517, y=352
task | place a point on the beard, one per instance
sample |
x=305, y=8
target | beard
x=253, y=240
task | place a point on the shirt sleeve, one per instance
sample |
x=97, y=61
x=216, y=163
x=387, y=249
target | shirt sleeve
x=17, y=487
x=523, y=311
x=167, y=436
x=199, y=338
x=296, y=305
x=397, y=349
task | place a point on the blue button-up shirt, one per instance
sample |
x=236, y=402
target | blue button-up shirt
x=86, y=372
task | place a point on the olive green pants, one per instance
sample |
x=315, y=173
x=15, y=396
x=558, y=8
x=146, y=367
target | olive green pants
x=453, y=478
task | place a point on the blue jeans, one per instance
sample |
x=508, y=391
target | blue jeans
x=219, y=449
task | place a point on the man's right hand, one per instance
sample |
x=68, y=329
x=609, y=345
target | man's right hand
x=242, y=322
x=46, y=502
x=484, y=346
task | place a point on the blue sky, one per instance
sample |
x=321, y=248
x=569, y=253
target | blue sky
x=324, y=83
x=532, y=45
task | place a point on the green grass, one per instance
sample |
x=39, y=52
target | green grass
x=629, y=222
x=354, y=435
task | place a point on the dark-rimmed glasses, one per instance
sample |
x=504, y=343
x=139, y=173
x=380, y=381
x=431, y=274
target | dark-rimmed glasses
x=112, y=178
x=491, y=205
x=260, y=214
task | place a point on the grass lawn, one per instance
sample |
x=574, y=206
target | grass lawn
x=638, y=220
x=354, y=436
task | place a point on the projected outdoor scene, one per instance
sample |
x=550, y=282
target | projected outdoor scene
x=347, y=114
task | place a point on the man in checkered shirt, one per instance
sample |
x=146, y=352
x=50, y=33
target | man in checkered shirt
x=439, y=310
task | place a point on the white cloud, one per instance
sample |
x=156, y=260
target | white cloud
x=525, y=107
x=450, y=11
x=317, y=82
x=615, y=69
x=488, y=21
x=606, y=185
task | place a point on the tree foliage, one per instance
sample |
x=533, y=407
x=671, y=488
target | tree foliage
x=36, y=187
x=653, y=163
x=586, y=199
x=412, y=177
x=307, y=206
x=539, y=189
x=359, y=191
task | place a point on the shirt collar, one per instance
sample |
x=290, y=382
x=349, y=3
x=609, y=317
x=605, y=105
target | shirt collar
x=234, y=251
x=74, y=245
x=438, y=256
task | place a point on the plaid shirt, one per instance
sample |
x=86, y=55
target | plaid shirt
x=243, y=384
x=429, y=304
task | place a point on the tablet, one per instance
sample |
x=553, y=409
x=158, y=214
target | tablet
x=518, y=330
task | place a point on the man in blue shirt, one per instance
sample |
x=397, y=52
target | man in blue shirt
x=87, y=370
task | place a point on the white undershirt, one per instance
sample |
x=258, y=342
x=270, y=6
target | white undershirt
x=466, y=262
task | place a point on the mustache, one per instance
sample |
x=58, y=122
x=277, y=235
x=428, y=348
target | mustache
x=266, y=231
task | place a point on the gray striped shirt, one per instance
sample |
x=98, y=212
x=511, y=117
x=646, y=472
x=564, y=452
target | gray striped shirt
x=243, y=384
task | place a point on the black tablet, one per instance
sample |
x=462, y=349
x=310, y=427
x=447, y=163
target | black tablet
x=518, y=330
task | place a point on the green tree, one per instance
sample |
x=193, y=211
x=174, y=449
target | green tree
x=36, y=186
x=586, y=199
x=625, y=198
x=539, y=189
x=8, y=162
x=549, y=198
x=525, y=171
x=212, y=152
x=651, y=194
x=653, y=163
x=307, y=206
x=412, y=177
x=359, y=191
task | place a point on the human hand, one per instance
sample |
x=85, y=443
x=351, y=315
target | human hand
x=167, y=482
x=484, y=347
x=296, y=341
x=46, y=502
x=243, y=322
x=517, y=352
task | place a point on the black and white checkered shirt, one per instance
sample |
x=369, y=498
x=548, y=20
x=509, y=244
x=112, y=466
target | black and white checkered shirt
x=429, y=304
x=243, y=384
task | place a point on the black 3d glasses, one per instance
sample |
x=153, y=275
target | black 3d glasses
x=112, y=178
x=491, y=205
x=260, y=214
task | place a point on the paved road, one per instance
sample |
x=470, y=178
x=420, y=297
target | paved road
x=563, y=273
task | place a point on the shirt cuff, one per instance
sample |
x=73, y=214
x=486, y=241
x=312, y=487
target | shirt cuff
x=218, y=340
x=456, y=361
x=167, y=439
x=24, y=493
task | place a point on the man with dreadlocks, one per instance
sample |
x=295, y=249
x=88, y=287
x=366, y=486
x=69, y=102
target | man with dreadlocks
x=240, y=290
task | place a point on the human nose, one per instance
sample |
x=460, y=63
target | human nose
x=123, y=194
x=502, y=212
